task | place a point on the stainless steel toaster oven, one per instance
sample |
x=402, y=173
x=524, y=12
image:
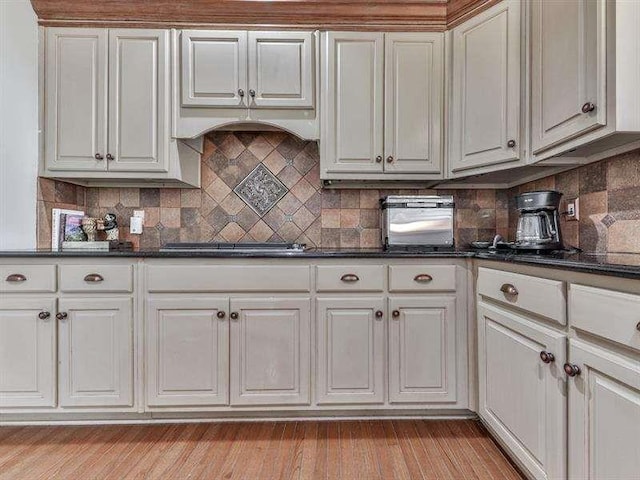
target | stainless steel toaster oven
x=417, y=221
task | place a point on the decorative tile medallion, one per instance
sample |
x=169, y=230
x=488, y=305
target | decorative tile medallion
x=261, y=190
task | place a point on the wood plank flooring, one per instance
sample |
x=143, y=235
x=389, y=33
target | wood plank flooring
x=331, y=450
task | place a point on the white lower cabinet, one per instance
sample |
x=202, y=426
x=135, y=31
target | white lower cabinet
x=522, y=398
x=350, y=339
x=270, y=351
x=187, y=352
x=95, y=352
x=27, y=352
x=604, y=415
x=422, y=349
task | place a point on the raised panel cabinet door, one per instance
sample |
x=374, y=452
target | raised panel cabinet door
x=604, y=414
x=522, y=398
x=485, y=113
x=351, y=358
x=138, y=100
x=95, y=359
x=76, y=99
x=214, y=68
x=270, y=351
x=187, y=352
x=568, y=70
x=422, y=349
x=281, y=69
x=413, y=105
x=27, y=352
x=352, y=93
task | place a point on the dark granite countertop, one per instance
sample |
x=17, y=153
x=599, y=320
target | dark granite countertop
x=621, y=265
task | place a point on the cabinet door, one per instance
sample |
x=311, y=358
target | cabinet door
x=270, y=351
x=352, y=78
x=138, y=100
x=422, y=349
x=281, y=69
x=350, y=366
x=485, y=113
x=413, y=109
x=95, y=344
x=522, y=398
x=187, y=352
x=214, y=68
x=76, y=99
x=604, y=415
x=568, y=70
x=27, y=352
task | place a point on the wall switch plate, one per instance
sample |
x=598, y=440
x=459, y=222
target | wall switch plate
x=573, y=209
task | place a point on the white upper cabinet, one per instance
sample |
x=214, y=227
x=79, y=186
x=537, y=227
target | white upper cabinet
x=568, y=71
x=486, y=90
x=214, y=68
x=76, y=99
x=352, y=97
x=414, y=90
x=281, y=69
x=138, y=100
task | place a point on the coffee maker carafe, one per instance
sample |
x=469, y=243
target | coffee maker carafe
x=539, y=222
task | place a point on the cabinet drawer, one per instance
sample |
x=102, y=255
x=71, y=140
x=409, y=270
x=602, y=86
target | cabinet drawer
x=227, y=278
x=409, y=278
x=96, y=278
x=537, y=295
x=608, y=314
x=362, y=278
x=27, y=278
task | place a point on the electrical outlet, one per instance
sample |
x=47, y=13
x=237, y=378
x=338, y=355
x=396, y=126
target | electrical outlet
x=573, y=209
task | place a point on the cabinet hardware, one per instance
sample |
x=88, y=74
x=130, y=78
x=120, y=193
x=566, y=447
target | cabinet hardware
x=349, y=278
x=110, y=157
x=423, y=278
x=379, y=313
x=509, y=289
x=379, y=159
x=547, y=357
x=44, y=315
x=638, y=326
x=571, y=369
x=390, y=159
x=61, y=315
x=395, y=313
x=241, y=92
x=16, y=278
x=588, y=107
x=511, y=143
x=94, y=278
x=221, y=314
x=97, y=156
x=252, y=93
x=234, y=315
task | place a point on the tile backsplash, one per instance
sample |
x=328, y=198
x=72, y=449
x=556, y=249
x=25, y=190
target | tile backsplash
x=290, y=205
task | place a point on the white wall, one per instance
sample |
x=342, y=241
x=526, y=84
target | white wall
x=18, y=124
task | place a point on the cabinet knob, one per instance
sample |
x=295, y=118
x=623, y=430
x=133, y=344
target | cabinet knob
x=547, y=357
x=44, y=315
x=110, y=157
x=94, y=278
x=588, y=107
x=395, y=313
x=98, y=156
x=571, y=370
x=511, y=143
x=349, y=278
x=16, y=278
x=638, y=326
x=233, y=315
x=61, y=315
x=379, y=313
x=241, y=92
x=509, y=289
x=390, y=159
x=252, y=93
x=221, y=314
x=423, y=278
x=379, y=159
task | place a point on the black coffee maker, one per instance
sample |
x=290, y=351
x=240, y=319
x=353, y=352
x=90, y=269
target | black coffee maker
x=539, y=222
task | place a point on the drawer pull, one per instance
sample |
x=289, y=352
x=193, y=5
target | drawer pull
x=423, y=278
x=509, y=289
x=221, y=314
x=349, y=278
x=44, y=315
x=571, y=369
x=16, y=278
x=61, y=315
x=94, y=278
x=547, y=357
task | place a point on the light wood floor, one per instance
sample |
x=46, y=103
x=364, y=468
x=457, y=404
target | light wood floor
x=346, y=450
